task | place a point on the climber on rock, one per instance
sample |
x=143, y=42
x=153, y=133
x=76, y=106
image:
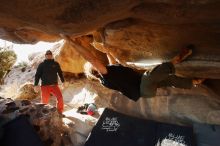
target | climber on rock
x=47, y=71
x=132, y=83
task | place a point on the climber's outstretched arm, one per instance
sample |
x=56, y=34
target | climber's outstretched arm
x=111, y=59
x=85, y=52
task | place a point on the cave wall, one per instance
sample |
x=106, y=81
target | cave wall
x=132, y=30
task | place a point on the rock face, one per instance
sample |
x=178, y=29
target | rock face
x=26, y=91
x=145, y=32
x=45, y=119
x=69, y=59
x=172, y=105
x=18, y=83
x=199, y=104
x=139, y=31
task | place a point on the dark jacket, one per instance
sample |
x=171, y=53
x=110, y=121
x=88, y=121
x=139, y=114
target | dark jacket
x=47, y=71
x=123, y=79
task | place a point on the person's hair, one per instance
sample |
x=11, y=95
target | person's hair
x=48, y=52
x=90, y=72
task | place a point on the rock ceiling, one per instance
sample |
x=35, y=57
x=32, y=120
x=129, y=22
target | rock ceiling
x=131, y=30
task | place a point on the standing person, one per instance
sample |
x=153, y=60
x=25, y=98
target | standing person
x=48, y=72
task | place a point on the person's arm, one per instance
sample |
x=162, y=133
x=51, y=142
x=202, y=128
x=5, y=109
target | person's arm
x=38, y=75
x=111, y=59
x=87, y=55
x=60, y=73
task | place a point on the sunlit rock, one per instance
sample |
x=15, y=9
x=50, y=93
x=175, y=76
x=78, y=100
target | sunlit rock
x=70, y=60
x=26, y=91
x=18, y=83
x=171, y=105
x=142, y=32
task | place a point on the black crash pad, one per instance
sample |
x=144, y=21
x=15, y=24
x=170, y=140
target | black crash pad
x=116, y=129
x=19, y=132
x=207, y=134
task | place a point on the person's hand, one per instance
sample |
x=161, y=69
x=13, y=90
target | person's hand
x=36, y=89
x=64, y=85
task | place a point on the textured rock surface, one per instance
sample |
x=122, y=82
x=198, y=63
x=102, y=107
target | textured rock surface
x=26, y=91
x=69, y=59
x=18, y=83
x=198, y=104
x=131, y=30
x=145, y=32
x=45, y=119
x=172, y=105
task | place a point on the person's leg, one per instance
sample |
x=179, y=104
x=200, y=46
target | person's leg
x=147, y=86
x=56, y=91
x=175, y=81
x=164, y=70
x=45, y=94
x=149, y=80
x=161, y=72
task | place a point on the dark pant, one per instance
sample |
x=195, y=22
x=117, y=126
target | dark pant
x=162, y=75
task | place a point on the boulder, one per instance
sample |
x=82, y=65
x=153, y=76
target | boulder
x=45, y=119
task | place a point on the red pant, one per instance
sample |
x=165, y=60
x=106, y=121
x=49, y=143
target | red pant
x=55, y=90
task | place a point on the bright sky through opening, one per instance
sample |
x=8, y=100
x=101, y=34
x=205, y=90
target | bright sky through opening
x=23, y=50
